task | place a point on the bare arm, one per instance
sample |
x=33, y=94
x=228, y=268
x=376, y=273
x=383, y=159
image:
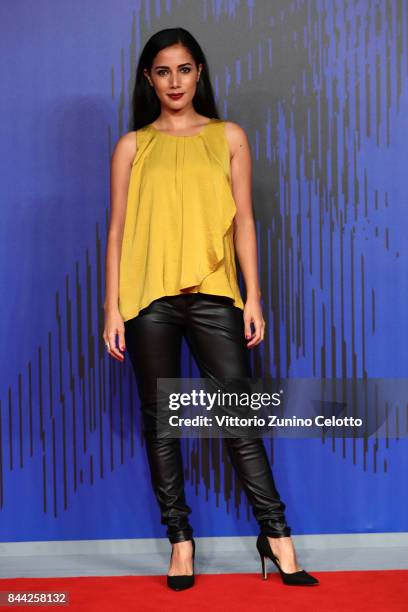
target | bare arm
x=120, y=169
x=244, y=229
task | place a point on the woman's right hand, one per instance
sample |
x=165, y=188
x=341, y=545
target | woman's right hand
x=114, y=326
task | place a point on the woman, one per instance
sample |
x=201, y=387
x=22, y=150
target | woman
x=180, y=209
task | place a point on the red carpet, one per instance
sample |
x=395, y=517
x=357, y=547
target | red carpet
x=371, y=591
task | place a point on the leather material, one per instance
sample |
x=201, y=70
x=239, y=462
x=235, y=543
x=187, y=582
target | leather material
x=214, y=330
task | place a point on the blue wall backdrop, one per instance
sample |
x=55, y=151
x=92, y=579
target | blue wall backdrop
x=321, y=88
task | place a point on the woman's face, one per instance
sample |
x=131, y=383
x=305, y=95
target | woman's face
x=174, y=72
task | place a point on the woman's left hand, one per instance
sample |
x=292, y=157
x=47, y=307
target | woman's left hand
x=253, y=313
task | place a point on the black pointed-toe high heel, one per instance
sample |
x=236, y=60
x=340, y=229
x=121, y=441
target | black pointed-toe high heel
x=299, y=578
x=184, y=581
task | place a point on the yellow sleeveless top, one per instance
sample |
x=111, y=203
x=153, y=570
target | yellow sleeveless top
x=178, y=232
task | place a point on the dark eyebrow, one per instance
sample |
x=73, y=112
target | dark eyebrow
x=179, y=66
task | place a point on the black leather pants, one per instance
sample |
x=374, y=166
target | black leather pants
x=214, y=330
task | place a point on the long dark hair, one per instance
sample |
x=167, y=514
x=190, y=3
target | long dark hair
x=145, y=103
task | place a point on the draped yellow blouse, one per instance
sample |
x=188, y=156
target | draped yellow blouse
x=178, y=232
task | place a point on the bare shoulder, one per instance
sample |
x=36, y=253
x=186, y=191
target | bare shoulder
x=236, y=137
x=125, y=148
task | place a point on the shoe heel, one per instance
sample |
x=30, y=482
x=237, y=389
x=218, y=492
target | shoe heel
x=264, y=574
